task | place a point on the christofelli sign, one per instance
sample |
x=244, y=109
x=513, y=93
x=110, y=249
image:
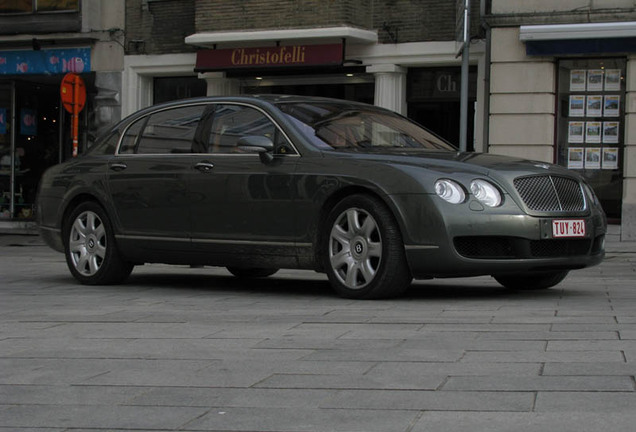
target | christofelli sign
x=263, y=57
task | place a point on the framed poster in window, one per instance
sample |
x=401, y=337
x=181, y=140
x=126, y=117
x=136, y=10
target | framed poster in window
x=613, y=80
x=611, y=107
x=578, y=79
x=594, y=106
x=610, y=158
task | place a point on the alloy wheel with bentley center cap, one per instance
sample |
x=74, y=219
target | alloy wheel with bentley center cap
x=87, y=243
x=355, y=248
x=91, y=250
x=364, y=253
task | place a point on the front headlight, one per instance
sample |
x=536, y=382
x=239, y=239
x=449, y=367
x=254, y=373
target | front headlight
x=590, y=194
x=450, y=191
x=486, y=193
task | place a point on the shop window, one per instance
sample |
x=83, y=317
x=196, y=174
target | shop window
x=29, y=143
x=591, y=122
x=39, y=16
x=433, y=98
x=38, y=6
x=57, y=5
x=173, y=88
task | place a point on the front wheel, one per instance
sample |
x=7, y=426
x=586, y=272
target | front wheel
x=90, y=249
x=363, y=250
x=532, y=281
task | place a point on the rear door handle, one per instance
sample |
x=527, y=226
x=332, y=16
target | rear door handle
x=204, y=166
x=117, y=166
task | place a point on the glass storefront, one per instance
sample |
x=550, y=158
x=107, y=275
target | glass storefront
x=32, y=128
x=433, y=97
x=591, y=123
x=172, y=88
x=7, y=150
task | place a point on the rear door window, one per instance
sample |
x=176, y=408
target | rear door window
x=168, y=131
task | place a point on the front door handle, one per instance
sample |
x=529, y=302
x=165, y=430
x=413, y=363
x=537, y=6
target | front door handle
x=204, y=166
x=117, y=166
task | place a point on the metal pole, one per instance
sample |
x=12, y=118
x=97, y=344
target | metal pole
x=463, y=118
x=12, y=137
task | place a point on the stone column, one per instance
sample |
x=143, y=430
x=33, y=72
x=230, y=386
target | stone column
x=219, y=84
x=390, y=86
x=522, y=99
x=628, y=216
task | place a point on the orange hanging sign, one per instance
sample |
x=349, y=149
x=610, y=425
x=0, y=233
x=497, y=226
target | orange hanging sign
x=73, y=95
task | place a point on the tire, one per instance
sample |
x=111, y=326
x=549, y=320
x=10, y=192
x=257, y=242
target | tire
x=252, y=272
x=532, y=281
x=363, y=252
x=90, y=249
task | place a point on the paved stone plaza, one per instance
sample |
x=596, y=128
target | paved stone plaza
x=187, y=349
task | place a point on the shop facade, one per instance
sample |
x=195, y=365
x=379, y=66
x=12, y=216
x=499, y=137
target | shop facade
x=401, y=55
x=562, y=91
x=420, y=80
x=41, y=42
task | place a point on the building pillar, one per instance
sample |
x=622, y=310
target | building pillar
x=628, y=210
x=522, y=99
x=219, y=84
x=390, y=86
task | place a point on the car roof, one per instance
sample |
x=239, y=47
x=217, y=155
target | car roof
x=262, y=100
x=273, y=99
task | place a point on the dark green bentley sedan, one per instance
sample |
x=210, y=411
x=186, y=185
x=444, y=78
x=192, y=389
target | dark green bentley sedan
x=260, y=183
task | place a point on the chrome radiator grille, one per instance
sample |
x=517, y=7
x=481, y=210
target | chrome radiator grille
x=550, y=193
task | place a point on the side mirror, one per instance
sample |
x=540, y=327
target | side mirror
x=257, y=144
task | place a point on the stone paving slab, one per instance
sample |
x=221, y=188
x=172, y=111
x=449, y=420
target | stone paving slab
x=302, y=419
x=95, y=417
x=545, y=383
x=523, y=422
x=599, y=402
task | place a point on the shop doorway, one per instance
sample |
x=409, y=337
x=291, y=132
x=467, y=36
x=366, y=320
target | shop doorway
x=433, y=98
x=29, y=143
x=442, y=117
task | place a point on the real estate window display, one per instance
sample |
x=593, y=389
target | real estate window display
x=590, y=125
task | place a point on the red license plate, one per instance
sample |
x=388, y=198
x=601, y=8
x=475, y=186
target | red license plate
x=568, y=228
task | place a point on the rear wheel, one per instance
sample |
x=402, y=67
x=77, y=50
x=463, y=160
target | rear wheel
x=532, y=281
x=363, y=250
x=90, y=249
x=252, y=272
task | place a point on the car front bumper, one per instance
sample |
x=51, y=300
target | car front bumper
x=444, y=240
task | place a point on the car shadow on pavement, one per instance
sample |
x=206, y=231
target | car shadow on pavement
x=312, y=285
x=298, y=286
x=229, y=284
x=465, y=289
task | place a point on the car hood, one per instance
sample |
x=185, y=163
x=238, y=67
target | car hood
x=477, y=163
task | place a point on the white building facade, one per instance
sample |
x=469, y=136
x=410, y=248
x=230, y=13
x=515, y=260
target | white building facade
x=563, y=90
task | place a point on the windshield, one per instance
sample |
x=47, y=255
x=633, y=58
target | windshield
x=345, y=126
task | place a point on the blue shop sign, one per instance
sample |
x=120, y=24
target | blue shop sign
x=53, y=61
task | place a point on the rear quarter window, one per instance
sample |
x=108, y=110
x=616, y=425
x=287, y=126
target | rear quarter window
x=105, y=145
